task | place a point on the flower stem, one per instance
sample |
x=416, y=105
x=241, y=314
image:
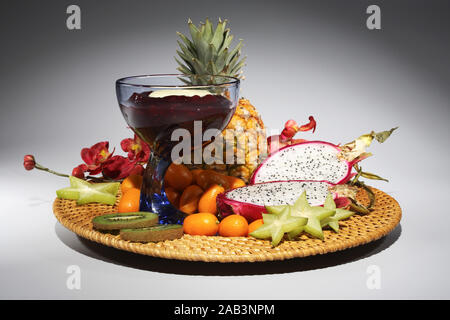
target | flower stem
x=356, y=178
x=39, y=167
x=95, y=179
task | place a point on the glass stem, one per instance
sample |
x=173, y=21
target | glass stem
x=153, y=196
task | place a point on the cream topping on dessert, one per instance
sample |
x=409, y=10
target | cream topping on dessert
x=179, y=92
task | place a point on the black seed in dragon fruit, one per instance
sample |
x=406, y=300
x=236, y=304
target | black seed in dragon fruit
x=312, y=160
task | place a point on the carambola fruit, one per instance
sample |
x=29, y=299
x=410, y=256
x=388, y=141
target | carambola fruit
x=340, y=214
x=277, y=224
x=302, y=208
x=279, y=219
x=85, y=192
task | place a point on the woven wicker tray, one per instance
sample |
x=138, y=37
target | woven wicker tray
x=355, y=231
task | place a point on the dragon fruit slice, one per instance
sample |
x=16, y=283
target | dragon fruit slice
x=311, y=160
x=250, y=201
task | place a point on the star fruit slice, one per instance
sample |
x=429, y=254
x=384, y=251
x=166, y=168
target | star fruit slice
x=85, y=192
x=275, y=225
x=302, y=208
x=276, y=209
x=341, y=214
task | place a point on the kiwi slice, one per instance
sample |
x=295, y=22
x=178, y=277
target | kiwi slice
x=117, y=221
x=153, y=234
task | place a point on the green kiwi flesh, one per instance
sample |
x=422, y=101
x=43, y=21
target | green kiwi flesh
x=117, y=221
x=153, y=234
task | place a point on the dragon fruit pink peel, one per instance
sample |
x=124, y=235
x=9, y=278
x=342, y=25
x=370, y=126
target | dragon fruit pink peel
x=250, y=201
x=312, y=160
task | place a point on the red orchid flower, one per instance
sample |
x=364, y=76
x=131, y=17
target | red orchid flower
x=137, y=170
x=291, y=128
x=98, y=159
x=309, y=126
x=79, y=171
x=95, y=156
x=118, y=167
x=276, y=142
x=136, y=148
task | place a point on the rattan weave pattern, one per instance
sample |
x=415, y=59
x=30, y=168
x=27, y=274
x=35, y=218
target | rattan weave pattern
x=357, y=230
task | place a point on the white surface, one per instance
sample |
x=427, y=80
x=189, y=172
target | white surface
x=58, y=96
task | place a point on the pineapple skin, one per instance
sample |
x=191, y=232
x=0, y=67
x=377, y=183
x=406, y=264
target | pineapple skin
x=246, y=120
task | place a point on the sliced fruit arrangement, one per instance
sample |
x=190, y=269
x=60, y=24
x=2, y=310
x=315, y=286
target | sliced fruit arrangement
x=300, y=217
x=251, y=201
x=284, y=187
x=320, y=160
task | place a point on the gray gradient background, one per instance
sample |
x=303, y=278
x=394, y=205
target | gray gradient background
x=304, y=57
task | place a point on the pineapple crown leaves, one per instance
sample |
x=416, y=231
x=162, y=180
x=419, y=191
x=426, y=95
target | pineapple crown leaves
x=208, y=51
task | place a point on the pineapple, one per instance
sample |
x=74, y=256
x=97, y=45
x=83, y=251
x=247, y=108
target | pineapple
x=209, y=52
